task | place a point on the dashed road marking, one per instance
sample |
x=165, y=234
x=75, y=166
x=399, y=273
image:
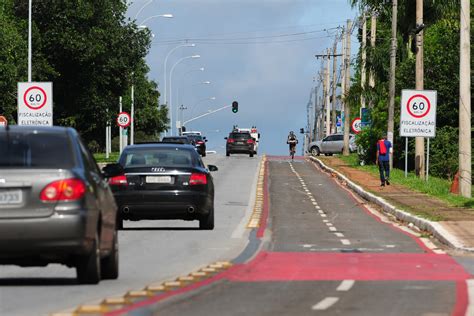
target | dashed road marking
x=340, y=235
x=325, y=303
x=346, y=242
x=346, y=285
x=333, y=229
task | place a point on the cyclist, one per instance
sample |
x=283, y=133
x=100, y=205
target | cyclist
x=292, y=141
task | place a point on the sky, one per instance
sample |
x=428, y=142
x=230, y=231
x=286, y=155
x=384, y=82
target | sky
x=259, y=53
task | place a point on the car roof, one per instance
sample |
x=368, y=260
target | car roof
x=161, y=145
x=50, y=129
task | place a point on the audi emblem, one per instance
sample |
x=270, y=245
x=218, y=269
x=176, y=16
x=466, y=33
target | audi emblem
x=158, y=169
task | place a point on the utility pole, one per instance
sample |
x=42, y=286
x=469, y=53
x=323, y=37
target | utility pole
x=373, y=37
x=364, y=59
x=419, y=141
x=328, y=103
x=343, y=74
x=347, y=110
x=465, y=154
x=393, y=61
x=334, y=86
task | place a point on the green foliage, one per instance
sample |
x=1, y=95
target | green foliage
x=444, y=152
x=91, y=53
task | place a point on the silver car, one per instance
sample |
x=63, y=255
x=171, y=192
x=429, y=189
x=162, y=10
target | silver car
x=332, y=144
x=55, y=204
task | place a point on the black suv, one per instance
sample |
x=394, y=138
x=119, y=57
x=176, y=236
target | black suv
x=240, y=142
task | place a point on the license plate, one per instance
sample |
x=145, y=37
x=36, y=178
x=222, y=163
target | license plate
x=11, y=197
x=159, y=179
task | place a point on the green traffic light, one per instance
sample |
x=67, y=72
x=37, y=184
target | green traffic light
x=235, y=110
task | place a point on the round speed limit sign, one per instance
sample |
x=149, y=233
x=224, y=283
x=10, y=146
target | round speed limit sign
x=124, y=119
x=35, y=98
x=418, y=106
x=356, y=125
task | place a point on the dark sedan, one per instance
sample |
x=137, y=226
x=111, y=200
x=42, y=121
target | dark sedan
x=164, y=181
x=199, y=143
x=55, y=204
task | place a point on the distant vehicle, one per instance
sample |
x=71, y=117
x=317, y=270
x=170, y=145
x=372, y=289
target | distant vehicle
x=332, y=144
x=240, y=142
x=200, y=143
x=164, y=181
x=178, y=140
x=254, y=133
x=191, y=133
x=55, y=204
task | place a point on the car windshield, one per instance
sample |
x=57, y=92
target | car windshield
x=195, y=137
x=240, y=135
x=35, y=150
x=143, y=157
x=182, y=140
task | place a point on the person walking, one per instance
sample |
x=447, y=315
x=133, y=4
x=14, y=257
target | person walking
x=384, y=148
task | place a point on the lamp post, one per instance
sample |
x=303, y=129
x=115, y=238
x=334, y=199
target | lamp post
x=171, y=80
x=166, y=61
x=199, y=101
x=167, y=15
x=30, y=4
x=141, y=9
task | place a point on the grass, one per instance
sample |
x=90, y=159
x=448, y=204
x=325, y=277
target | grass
x=436, y=187
x=113, y=157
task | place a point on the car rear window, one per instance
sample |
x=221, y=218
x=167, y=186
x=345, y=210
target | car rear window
x=144, y=157
x=182, y=140
x=36, y=150
x=239, y=135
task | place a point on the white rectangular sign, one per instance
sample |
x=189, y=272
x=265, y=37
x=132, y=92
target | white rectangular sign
x=35, y=103
x=418, y=113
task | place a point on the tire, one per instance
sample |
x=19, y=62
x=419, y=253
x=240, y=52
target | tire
x=203, y=154
x=328, y=154
x=251, y=155
x=315, y=151
x=227, y=153
x=110, y=264
x=119, y=223
x=207, y=222
x=88, y=266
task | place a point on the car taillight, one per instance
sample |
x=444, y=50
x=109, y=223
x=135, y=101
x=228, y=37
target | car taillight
x=230, y=140
x=198, y=178
x=250, y=141
x=200, y=142
x=118, y=180
x=63, y=190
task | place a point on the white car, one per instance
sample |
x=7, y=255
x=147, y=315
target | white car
x=332, y=144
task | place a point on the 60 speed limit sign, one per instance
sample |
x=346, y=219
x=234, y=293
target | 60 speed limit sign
x=35, y=103
x=418, y=113
x=124, y=119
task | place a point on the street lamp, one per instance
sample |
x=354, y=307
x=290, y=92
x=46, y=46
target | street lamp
x=166, y=61
x=167, y=15
x=171, y=80
x=199, y=101
x=143, y=7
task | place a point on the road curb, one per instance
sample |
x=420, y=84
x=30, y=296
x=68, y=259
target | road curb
x=436, y=229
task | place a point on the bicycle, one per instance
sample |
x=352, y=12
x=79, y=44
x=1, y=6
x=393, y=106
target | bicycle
x=292, y=148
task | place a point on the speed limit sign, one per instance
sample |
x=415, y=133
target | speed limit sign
x=418, y=113
x=35, y=103
x=124, y=119
x=356, y=125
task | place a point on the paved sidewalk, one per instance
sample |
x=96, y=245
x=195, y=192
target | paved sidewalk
x=446, y=220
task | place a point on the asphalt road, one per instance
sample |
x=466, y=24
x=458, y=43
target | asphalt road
x=325, y=252
x=150, y=251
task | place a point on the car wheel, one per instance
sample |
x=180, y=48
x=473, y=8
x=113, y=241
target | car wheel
x=110, y=264
x=207, y=222
x=88, y=266
x=227, y=153
x=315, y=151
x=119, y=223
x=251, y=154
x=328, y=154
x=203, y=154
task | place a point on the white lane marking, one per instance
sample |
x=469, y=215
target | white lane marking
x=321, y=212
x=308, y=245
x=313, y=200
x=346, y=242
x=470, y=297
x=333, y=229
x=325, y=221
x=346, y=285
x=329, y=224
x=325, y=303
x=323, y=215
x=390, y=246
x=340, y=235
x=317, y=207
x=315, y=203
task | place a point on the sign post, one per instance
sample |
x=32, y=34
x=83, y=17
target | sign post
x=35, y=103
x=418, y=117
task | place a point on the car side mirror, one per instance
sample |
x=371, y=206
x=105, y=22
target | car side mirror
x=258, y=135
x=225, y=137
x=112, y=170
x=212, y=168
x=205, y=140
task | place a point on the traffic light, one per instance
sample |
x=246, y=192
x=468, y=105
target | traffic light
x=235, y=107
x=302, y=130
